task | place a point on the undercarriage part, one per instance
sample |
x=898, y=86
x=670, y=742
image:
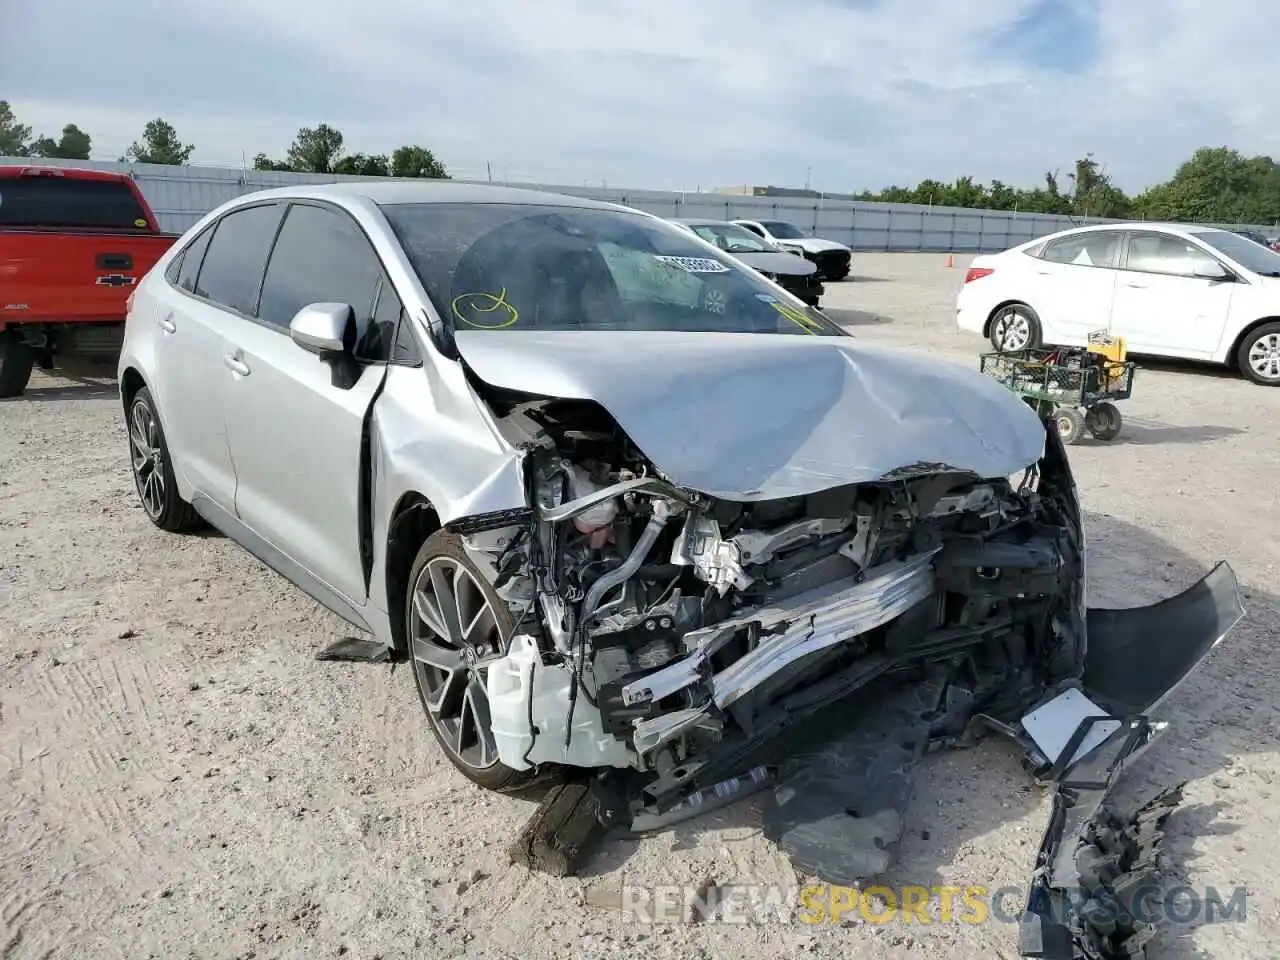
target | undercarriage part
x=356, y=650
x=1099, y=893
x=564, y=831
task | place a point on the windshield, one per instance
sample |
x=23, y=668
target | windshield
x=490, y=266
x=783, y=230
x=1252, y=256
x=732, y=238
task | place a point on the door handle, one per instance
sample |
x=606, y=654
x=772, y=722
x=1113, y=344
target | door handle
x=167, y=324
x=1136, y=286
x=235, y=364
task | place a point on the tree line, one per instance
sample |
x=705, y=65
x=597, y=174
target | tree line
x=1216, y=185
x=314, y=150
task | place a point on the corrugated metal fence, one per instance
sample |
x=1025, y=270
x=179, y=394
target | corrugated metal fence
x=181, y=195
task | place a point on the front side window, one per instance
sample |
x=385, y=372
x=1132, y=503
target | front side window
x=1094, y=249
x=233, y=265
x=321, y=256
x=535, y=267
x=1165, y=253
x=783, y=230
x=732, y=238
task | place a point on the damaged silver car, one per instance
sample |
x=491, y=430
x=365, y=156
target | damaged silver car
x=641, y=521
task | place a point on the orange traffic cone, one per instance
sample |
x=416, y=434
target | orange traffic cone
x=951, y=260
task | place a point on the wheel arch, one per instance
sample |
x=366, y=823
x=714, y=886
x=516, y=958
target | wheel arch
x=1233, y=354
x=986, y=326
x=413, y=519
x=131, y=381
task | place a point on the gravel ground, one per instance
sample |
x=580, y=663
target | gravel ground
x=181, y=779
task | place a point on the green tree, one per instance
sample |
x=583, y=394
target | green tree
x=160, y=144
x=360, y=165
x=13, y=135
x=415, y=161
x=74, y=144
x=1093, y=194
x=1217, y=185
x=315, y=149
x=263, y=162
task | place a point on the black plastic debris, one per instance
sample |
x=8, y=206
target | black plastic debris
x=356, y=650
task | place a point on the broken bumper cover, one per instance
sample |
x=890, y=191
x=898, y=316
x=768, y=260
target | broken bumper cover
x=1096, y=871
x=788, y=631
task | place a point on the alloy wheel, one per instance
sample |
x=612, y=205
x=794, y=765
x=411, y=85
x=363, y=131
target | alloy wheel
x=147, y=456
x=1013, y=330
x=455, y=638
x=1264, y=356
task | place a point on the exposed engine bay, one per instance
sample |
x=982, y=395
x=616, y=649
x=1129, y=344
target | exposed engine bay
x=667, y=632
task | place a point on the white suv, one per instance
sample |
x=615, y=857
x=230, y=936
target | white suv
x=1196, y=293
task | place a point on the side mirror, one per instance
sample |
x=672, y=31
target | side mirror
x=329, y=331
x=324, y=329
x=1214, y=273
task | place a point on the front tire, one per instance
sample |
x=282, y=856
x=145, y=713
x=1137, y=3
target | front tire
x=1259, y=355
x=1015, y=326
x=153, y=468
x=455, y=624
x=16, y=361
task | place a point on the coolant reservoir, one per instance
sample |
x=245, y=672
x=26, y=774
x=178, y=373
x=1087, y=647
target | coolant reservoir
x=602, y=514
x=518, y=682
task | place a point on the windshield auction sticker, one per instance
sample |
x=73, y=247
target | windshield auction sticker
x=693, y=264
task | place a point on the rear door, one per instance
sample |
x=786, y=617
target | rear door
x=216, y=284
x=295, y=436
x=1161, y=305
x=1073, y=282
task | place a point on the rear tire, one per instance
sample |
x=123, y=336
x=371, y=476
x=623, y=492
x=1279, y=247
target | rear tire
x=16, y=361
x=153, y=468
x=1259, y=355
x=1015, y=326
x=1103, y=420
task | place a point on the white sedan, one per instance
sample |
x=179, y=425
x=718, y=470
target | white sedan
x=1170, y=290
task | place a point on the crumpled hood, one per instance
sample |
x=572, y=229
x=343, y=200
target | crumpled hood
x=744, y=416
x=783, y=264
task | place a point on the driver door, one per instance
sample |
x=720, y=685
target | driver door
x=295, y=435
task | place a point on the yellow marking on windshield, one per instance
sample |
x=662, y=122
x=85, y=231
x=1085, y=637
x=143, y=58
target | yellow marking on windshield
x=486, y=303
x=802, y=320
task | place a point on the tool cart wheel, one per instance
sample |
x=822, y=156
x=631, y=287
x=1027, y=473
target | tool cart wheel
x=1070, y=424
x=1103, y=420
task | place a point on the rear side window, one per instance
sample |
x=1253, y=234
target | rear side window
x=1097, y=249
x=232, y=270
x=192, y=257
x=320, y=257
x=68, y=202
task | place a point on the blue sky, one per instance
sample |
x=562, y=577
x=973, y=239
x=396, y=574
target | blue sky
x=655, y=93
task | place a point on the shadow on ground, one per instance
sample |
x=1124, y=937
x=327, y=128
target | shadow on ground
x=1143, y=432
x=1226, y=716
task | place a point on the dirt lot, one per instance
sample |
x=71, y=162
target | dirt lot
x=181, y=779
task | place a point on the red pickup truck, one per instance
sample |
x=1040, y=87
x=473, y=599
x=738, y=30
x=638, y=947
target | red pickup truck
x=73, y=244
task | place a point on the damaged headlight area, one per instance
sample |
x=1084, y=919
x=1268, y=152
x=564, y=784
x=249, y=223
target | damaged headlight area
x=670, y=634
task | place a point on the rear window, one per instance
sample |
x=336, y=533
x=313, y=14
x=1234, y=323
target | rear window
x=41, y=201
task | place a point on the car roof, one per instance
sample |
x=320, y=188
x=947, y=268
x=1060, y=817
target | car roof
x=9, y=171
x=1181, y=229
x=392, y=192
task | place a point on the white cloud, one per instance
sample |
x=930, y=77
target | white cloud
x=665, y=94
